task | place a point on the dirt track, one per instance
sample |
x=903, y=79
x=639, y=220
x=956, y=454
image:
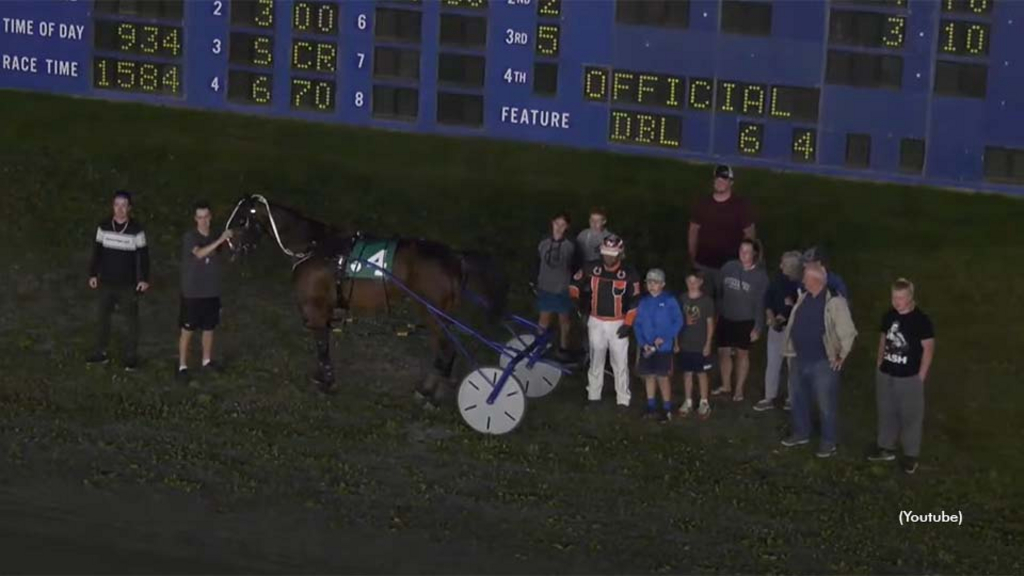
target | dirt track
x=68, y=529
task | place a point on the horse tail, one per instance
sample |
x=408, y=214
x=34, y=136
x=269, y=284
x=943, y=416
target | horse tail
x=484, y=277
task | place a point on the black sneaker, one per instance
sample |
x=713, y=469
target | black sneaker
x=881, y=455
x=649, y=413
x=98, y=358
x=791, y=441
x=825, y=451
x=131, y=364
x=213, y=367
x=665, y=416
x=182, y=375
x=909, y=465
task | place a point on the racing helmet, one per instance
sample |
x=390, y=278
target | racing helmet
x=613, y=246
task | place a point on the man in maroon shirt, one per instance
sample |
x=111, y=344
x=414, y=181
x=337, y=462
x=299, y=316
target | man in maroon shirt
x=718, y=225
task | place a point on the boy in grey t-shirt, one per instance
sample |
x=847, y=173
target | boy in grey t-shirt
x=589, y=240
x=695, y=344
x=200, y=288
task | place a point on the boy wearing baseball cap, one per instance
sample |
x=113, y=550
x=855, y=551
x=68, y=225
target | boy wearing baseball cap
x=658, y=321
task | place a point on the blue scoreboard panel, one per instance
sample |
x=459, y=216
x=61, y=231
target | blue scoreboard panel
x=920, y=91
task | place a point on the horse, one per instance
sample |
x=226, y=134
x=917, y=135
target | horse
x=322, y=281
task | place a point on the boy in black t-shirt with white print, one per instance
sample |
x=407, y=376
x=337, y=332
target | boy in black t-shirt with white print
x=905, y=351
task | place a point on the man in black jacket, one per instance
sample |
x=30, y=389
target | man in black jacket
x=609, y=291
x=119, y=269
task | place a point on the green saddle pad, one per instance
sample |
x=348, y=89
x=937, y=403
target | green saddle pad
x=378, y=252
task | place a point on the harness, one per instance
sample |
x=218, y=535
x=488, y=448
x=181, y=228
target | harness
x=349, y=256
x=361, y=258
x=301, y=256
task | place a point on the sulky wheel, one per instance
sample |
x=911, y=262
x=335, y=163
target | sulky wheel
x=499, y=418
x=537, y=380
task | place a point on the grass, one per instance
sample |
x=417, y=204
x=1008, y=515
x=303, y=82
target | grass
x=568, y=491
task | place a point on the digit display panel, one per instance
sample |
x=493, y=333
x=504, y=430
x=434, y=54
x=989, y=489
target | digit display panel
x=917, y=91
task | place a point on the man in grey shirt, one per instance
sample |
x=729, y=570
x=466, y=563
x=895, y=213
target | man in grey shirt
x=589, y=240
x=200, y=288
x=554, y=273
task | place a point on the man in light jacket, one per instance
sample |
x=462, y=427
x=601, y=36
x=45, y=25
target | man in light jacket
x=818, y=339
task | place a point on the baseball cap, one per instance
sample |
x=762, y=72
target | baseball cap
x=723, y=171
x=656, y=275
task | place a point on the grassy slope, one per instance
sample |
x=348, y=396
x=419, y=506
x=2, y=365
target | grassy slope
x=615, y=495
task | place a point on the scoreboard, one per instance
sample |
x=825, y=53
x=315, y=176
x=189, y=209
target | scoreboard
x=914, y=91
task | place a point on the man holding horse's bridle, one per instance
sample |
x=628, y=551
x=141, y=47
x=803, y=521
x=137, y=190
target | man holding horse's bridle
x=200, y=288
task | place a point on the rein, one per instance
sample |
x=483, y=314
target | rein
x=273, y=227
x=227, y=225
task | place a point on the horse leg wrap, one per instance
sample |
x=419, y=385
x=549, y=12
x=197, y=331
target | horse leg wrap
x=442, y=389
x=325, y=375
x=443, y=366
x=327, y=371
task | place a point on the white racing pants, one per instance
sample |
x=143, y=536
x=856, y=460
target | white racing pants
x=603, y=338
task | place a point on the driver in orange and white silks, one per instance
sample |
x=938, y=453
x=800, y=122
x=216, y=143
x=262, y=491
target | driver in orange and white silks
x=609, y=291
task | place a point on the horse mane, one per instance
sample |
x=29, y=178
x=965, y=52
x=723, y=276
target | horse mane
x=319, y=229
x=434, y=249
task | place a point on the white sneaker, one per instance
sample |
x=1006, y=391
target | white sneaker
x=763, y=405
x=686, y=409
x=704, y=411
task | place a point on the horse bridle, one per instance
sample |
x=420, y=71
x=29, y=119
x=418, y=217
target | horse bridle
x=273, y=225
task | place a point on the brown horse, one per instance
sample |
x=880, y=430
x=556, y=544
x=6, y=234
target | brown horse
x=320, y=254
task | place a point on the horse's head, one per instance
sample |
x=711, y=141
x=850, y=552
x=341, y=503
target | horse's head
x=247, y=223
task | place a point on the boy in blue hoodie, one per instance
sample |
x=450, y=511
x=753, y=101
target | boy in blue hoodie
x=658, y=322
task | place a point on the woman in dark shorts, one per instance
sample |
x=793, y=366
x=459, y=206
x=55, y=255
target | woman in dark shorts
x=742, y=284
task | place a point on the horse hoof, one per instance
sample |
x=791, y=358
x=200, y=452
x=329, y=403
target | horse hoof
x=426, y=401
x=441, y=392
x=324, y=386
